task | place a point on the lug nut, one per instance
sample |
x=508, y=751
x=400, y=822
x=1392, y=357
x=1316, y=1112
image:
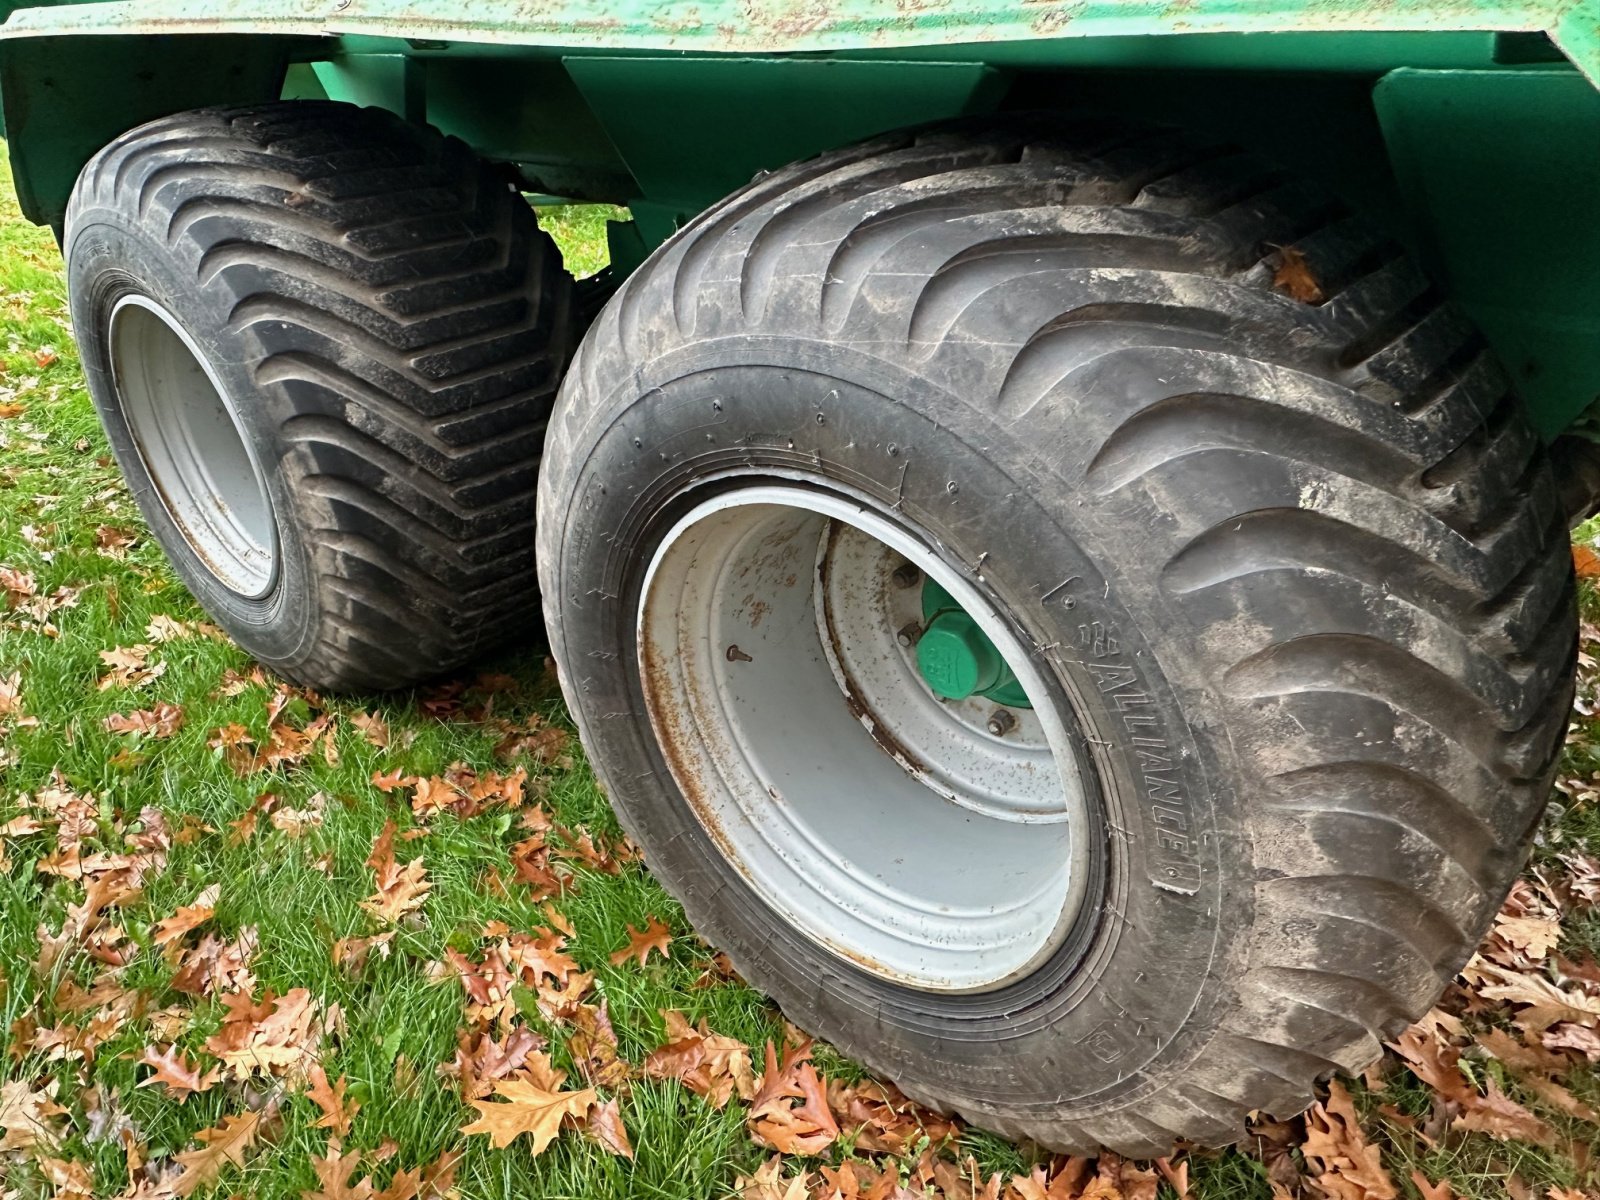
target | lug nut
x=1002, y=722
x=909, y=633
x=906, y=576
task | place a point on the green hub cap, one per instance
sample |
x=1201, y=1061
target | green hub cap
x=956, y=657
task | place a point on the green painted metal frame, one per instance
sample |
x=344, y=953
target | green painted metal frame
x=1478, y=142
x=799, y=26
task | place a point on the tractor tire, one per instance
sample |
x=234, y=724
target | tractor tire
x=324, y=343
x=1256, y=511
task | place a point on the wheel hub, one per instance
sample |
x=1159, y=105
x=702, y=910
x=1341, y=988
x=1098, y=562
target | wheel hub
x=900, y=823
x=192, y=446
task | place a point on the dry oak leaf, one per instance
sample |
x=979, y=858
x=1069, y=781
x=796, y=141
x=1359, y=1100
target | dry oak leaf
x=176, y=1073
x=1501, y=1117
x=774, y=1120
x=25, y=1115
x=605, y=1126
x=1294, y=278
x=480, y=1060
x=1534, y=936
x=129, y=666
x=593, y=1047
x=707, y=1063
x=1567, y=1036
x=392, y=781
x=1346, y=1167
x=11, y=694
x=654, y=936
x=1585, y=561
x=189, y=917
x=528, y=1109
x=1546, y=1003
x=337, y=1111
x=221, y=1146
x=1435, y=1064
x=1432, y=1191
x=401, y=890
x=769, y=1183
x=162, y=721
x=372, y=727
x=276, y=1036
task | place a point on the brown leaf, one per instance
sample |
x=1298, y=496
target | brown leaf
x=11, y=694
x=593, y=1047
x=337, y=1112
x=275, y=1037
x=27, y=1115
x=480, y=1060
x=1293, y=277
x=1585, y=561
x=1434, y=1064
x=224, y=1145
x=1567, y=1036
x=187, y=918
x=654, y=936
x=372, y=727
x=1503, y=1118
x=709, y=1064
x=401, y=890
x=174, y=1072
x=1336, y=1149
x=605, y=1126
x=1432, y=1191
x=1177, y=1175
x=528, y=1109
x=804, y=1128
x=162, y=721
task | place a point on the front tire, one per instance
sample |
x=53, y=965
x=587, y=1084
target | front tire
x=1295, y=571
x=324, y=343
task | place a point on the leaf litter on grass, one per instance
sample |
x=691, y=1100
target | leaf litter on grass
x=257, y=941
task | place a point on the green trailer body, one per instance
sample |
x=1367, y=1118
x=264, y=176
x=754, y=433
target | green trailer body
x=1472, y=128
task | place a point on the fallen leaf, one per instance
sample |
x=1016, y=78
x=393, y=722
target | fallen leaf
x=162, y=721
x=190, y=917
x=1336, y=1150
x=1293, y=277
x=221, y=1146
x=401, y=890
x=654, y=936
x=528, y=1109
x=605, y=1126
x=176, y=1073
x=1585, y=561
x=775, y=1120
x=337, y=1111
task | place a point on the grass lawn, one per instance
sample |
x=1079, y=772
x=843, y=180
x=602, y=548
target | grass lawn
x=183, y=836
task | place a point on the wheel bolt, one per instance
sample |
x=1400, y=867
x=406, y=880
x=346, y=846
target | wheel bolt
x=909, y=633
x=906, y=576
x=1002, y=722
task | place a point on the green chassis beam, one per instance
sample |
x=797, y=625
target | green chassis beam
x=791, y=26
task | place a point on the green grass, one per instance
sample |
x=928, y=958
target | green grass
x=580, y=230
x=58, y=489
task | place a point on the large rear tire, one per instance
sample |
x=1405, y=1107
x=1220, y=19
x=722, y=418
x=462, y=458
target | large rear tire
x=324, y=343
x=1288, y=567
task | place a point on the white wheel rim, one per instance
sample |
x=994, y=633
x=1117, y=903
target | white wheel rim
x=883, y=823
x=193, y=446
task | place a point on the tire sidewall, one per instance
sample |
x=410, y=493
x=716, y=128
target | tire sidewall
x=108, y=258
x=1095, y=1026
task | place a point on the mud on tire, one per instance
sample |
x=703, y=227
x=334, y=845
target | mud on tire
x=1314, y=548
x=390, y=326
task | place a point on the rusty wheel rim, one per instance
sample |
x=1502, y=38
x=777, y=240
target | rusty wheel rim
x=819, y=791
x=192, y=446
